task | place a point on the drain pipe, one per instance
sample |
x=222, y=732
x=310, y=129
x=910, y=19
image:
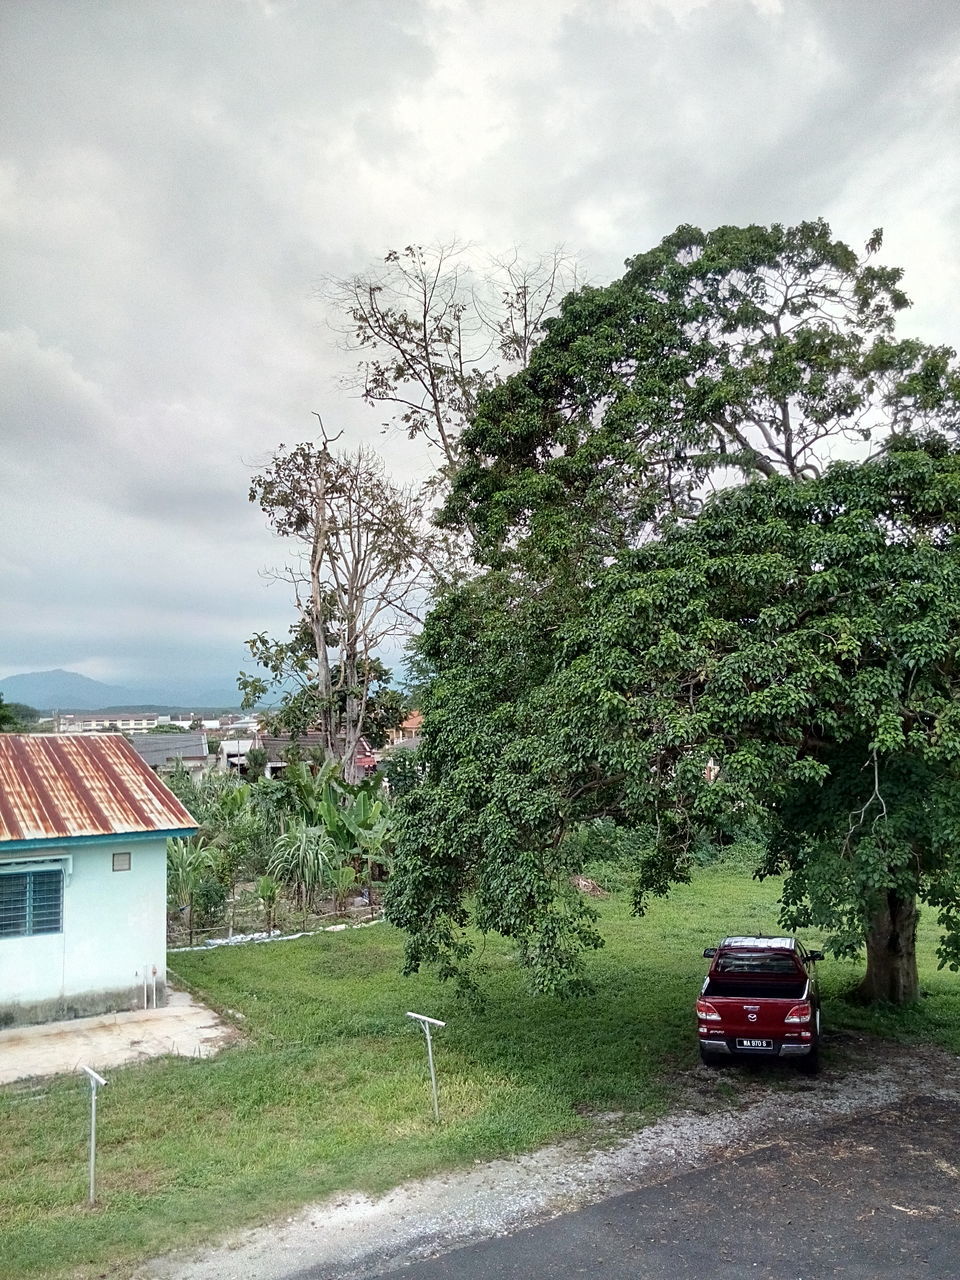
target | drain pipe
x=153, y=970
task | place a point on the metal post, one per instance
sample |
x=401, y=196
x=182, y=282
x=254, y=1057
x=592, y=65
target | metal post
x=433, y=1074
x=94, y=1081
x=427, y=1023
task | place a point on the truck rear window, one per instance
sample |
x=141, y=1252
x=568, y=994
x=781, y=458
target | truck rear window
x=758, y=963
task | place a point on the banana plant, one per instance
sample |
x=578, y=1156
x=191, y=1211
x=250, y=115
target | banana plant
x=189, y=862
x=342, y=880
x=357, y=820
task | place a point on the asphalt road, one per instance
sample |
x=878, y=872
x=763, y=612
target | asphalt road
x=867, y=1198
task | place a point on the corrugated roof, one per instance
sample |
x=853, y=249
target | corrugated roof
x=276, y=745
x=165, y=748
x=55, y=786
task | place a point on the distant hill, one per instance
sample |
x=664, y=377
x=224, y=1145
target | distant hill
x=61, y=690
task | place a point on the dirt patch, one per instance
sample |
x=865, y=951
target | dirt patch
x=724, y=1115
x=183, y=1027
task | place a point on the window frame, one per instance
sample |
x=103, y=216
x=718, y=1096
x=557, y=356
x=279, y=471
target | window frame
x=33, y=903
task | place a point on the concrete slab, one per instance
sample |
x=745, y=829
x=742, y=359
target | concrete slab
x=182, y=1027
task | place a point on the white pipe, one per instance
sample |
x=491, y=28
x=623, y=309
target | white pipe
x=153, y=969
x=95, y=1079
x=433, y=1074
x=427, y=1023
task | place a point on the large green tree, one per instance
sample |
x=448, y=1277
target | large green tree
x=788, y=661
x=718, y=356
x=633, y=635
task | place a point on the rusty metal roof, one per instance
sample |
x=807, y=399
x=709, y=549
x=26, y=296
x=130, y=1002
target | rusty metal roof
x=57, y=786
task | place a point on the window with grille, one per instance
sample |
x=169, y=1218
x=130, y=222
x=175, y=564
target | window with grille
x=31, y=902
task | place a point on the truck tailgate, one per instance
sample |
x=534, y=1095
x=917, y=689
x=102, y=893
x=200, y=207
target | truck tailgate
x=753, y=1016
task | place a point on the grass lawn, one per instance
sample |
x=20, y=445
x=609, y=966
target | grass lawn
x=329, y=1090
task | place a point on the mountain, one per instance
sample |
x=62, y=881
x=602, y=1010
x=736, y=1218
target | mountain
x=61, y=690
x=64, y=690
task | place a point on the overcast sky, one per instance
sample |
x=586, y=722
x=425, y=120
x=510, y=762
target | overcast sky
x=177, y=177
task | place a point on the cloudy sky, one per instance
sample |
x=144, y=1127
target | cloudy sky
x=178, y=176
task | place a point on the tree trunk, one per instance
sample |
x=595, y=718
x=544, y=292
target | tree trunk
x=319, y=613
x=892, y=953
x=353, y=710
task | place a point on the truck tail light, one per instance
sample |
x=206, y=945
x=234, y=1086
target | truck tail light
x=706, y=1012
x=800, y=1013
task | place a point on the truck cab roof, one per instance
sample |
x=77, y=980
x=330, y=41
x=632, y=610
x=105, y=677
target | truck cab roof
x=761, y=944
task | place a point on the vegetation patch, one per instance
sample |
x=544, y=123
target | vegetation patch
x=329, y=1091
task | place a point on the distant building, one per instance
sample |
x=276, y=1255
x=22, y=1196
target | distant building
x=408, y=733
x=233, y=752
x=99, y=721
x=162, y=751
x=135, y=722
x=84, y=823
x=232, y=756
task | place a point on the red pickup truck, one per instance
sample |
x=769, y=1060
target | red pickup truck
x=760, y=1000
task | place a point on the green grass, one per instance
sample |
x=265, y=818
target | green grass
x=935, y=1019
x=329, y=1091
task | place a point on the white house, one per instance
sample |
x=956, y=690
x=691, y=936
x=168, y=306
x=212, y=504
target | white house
x=83, y=871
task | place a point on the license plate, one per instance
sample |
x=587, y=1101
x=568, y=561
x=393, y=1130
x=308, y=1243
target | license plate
x=754, y=1044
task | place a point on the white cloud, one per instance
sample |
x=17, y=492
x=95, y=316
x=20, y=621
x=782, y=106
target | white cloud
x=175, y=180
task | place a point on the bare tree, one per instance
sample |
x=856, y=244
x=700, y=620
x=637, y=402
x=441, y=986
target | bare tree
x=436, y=326
x=360, y=578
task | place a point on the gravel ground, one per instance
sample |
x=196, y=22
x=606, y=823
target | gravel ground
x=723, y=1114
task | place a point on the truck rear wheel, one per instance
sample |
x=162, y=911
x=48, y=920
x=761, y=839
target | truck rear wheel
x=710, y=1059
x=810, y=1065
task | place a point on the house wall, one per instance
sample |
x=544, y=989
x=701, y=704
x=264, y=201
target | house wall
x=114, y=930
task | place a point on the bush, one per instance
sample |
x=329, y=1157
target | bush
x=403, y=770
x=209, y=903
